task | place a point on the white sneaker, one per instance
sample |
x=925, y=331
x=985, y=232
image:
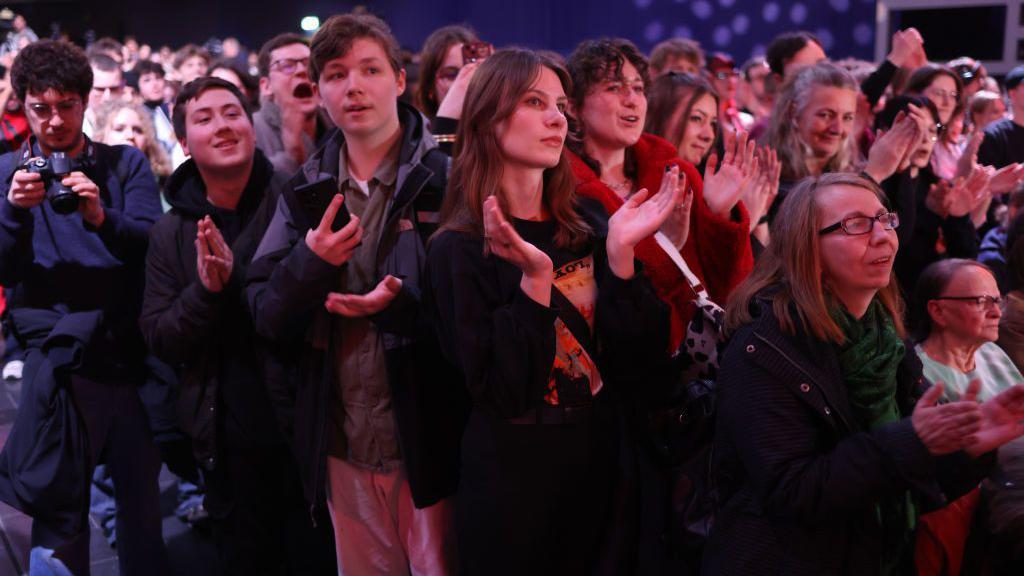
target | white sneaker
x=12, y=370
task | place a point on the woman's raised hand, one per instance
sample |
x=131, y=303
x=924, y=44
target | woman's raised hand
x=724, y=187
x=637, y=219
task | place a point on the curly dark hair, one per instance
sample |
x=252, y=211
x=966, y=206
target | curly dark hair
x=47, y=64
x=593, y=62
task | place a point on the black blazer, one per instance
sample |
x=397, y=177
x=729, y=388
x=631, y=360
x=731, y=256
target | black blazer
x=798, y=479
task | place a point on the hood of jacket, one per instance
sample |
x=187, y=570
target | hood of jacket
x=185, y=190
x=416, y=141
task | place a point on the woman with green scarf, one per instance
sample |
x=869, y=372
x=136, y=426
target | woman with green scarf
x=829, y=441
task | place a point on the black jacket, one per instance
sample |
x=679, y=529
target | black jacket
x=208, y=337
x=287, y=285
x=45, y=463
x=797, y=477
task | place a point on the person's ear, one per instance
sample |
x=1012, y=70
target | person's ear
x=400, y=80
x=937, y=313
x=265, y=87
x=184, y=146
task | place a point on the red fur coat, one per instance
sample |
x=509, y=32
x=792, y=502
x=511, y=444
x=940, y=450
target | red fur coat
x=717, y=249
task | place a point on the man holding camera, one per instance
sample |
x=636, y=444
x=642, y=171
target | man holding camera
x=74, y=226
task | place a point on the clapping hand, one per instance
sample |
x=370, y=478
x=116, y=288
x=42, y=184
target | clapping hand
x=502, y=240
x=724, y=187
x=892, y=151
x=362, y=305
x=946, y=428
x=1002, y=419
x=1007, y=178
x=761, y=193
x=677, y=226
x=214, y=259
x=966, y=195
x=637, y=219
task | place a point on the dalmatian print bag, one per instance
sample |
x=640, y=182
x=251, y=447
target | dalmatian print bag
x=697, y=356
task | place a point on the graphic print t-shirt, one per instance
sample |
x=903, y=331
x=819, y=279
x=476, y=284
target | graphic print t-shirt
x=574, y=375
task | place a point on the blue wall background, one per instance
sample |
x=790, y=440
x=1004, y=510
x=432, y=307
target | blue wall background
x=741, y=27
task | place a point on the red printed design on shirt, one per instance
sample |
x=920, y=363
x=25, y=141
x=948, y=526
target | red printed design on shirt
x=574, y=375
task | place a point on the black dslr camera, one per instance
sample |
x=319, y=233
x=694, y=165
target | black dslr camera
x=53, y=169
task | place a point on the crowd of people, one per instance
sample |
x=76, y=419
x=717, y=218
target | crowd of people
x=491, y=310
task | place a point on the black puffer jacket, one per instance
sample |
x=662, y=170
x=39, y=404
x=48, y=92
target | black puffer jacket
x=208, y=337
x=798, y=478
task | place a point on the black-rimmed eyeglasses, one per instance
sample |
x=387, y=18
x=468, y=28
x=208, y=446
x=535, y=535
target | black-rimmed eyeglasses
x=858, y=225
x=981, y=303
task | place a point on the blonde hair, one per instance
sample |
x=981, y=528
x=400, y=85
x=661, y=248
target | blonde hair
x=159, y=162
x=792, y=100
x=789, y=273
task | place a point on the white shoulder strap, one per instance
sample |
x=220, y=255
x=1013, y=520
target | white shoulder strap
x=676, y=257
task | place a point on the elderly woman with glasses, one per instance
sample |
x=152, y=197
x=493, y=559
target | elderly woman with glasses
x=957, y=313
x=829, y=442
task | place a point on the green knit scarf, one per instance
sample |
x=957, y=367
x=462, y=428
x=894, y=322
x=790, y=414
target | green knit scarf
x=868, y=361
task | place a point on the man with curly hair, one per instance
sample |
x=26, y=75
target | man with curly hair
x=85, y=263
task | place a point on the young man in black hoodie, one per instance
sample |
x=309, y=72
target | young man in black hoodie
x=195, y=318
x=375, y=430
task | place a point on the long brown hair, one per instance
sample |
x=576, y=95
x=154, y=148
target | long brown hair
x=671, y=93
x=789, y=272
x=491, y=98
x=435, y=48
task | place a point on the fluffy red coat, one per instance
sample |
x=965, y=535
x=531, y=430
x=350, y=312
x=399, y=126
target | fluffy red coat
x=717, y=249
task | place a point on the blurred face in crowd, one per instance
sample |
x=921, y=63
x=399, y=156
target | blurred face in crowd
x=680, y=64
x=106, y=85
x=126, y=128
x=193, y=67
x=218, y=133
x=967, y=320
x=854, y=267
x=533, y=136
x=230, y=48
x=1016, y=96
x=700, y=128
x=614, y=110
x=923, y=153
x=996, y=110
x=359, y=90
x=449, y=69
x=756, y=84
x=151, y=87
x=942, y=91
x=827, y=120
x=229, y=75
x=55, y=119
x=725, y=80
x=810, y=54
x=287, y=82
